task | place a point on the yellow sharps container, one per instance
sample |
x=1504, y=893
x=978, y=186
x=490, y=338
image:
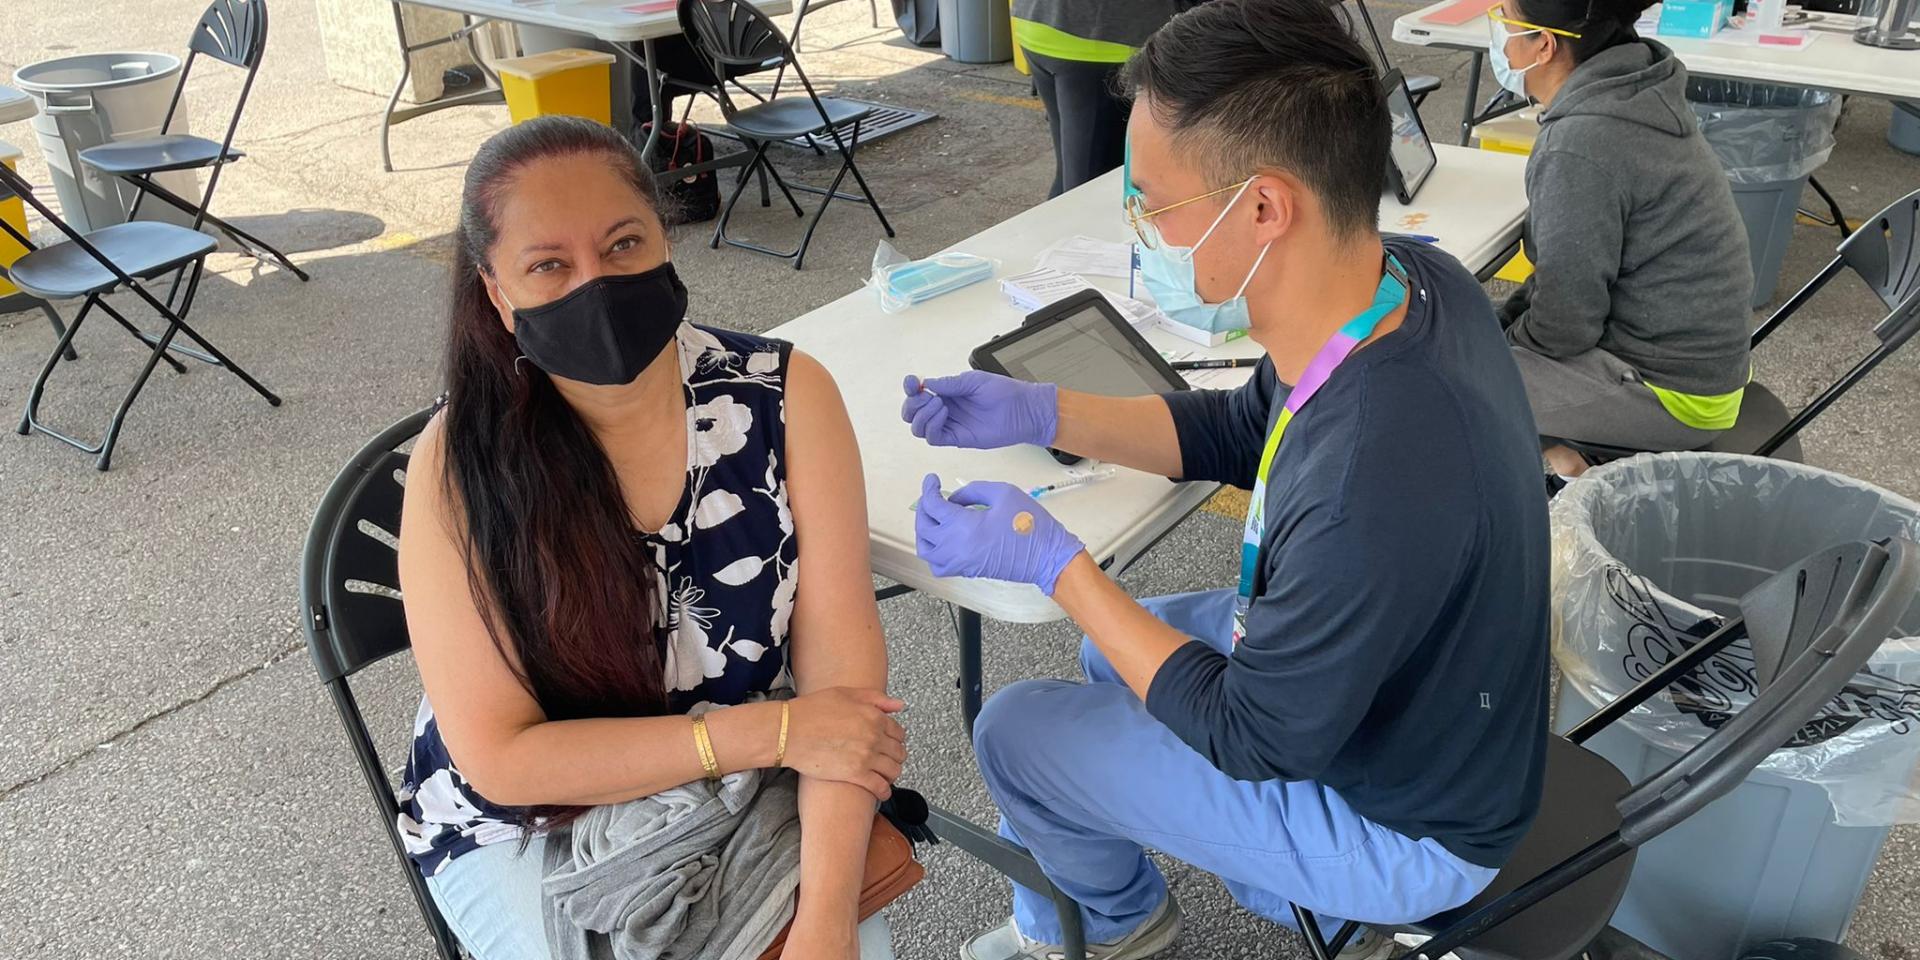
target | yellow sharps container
x=572, y=82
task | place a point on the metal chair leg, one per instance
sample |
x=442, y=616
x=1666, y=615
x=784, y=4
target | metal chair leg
x=386, y=116
x=739, y=185
x=806, y=239
x=220, y=359
x=767, y=165
x=29, y=416
x=847, y=151
x=140, y=334
x=59, y=329
x=126, y=403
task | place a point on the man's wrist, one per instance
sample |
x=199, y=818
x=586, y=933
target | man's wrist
x=1072, y=580
x=1047, y=404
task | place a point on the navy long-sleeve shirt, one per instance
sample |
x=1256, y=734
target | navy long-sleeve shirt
x=1396, y=649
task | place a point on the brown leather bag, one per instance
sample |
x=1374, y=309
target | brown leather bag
x=891, y=872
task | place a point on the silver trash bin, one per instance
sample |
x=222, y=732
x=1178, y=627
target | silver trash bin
x=976, y=31
x=1770, y=139
x=1649, y=555
x=96, y=98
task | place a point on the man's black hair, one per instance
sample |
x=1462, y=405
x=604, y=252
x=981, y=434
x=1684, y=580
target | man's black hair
x=1255, y=85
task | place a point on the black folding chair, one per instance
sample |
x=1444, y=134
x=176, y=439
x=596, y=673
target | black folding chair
x=113, y=258
x=233, y=32
x=350, y=601
x=1360, y=24
x=1812, y=627
x=1885, y=254
x=735, y=33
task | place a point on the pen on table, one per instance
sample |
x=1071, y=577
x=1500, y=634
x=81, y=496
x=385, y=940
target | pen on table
x=1423, y=238
x=1133, y=266
x=1230, y=364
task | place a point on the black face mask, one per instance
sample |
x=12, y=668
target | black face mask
x=606, y=330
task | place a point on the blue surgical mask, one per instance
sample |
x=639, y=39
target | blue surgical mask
x=1503, y=71
x=1168, y=273
x=904, y=284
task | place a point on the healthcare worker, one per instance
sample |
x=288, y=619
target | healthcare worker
x=1360, y=727
x=1633, y=329
x=1075, y=49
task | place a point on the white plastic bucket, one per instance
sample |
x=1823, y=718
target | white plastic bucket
x=96, y=98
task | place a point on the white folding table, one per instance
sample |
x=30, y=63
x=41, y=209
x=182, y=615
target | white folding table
x=1473, y=203
x=1832, y=62
x=620, y=24
x=15, y=106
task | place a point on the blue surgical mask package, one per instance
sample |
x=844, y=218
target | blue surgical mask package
x=901, y=283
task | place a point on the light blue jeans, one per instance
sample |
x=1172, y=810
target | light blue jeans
x=491, y=901
x=1085, y=778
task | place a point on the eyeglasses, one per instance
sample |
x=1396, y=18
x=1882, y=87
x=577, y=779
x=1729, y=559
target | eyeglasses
x=1497, y=15
x=1141, y=217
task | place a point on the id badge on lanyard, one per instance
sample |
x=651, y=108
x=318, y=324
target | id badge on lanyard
x=1391, y=293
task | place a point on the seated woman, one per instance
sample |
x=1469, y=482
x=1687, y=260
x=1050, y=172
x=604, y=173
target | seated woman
x=1632, y=330
x=602, y=530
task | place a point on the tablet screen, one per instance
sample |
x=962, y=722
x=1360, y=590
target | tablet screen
x=1083, y=351
x=1412, y=154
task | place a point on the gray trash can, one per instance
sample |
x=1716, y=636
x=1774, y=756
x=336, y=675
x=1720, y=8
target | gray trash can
x=95, y=98
x=1650, y=554
x=976, y=31
x=1770, y=139
x=1904, y=130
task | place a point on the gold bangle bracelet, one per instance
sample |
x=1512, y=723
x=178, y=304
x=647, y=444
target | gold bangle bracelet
x=704, y=744
x=780, y=751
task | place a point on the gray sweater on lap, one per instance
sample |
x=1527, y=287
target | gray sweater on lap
x=1636, y=243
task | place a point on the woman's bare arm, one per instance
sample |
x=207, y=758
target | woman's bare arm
x=835, y=642
x=494, y=729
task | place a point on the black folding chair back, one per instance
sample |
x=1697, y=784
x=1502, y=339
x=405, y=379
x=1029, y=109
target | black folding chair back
x=1812, y=627
x=734, y=33
x=1360, y=25
x=350, y=602
x=232, y=32
x=118, y=257
x=1885, y=254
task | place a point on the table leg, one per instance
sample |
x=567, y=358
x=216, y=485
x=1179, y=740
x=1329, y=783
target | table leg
x=653, y=98
x=967, y=624
x=1473, y=96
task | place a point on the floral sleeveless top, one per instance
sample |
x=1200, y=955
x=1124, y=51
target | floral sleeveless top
x=726, y=560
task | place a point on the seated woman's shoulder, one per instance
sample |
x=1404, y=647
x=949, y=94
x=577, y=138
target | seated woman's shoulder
x=740, y=353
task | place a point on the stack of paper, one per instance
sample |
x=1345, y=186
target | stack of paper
x=1044, y=285
x=1086, y=255
x=1036, y=288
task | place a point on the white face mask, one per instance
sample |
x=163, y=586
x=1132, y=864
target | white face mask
x=1503, y=71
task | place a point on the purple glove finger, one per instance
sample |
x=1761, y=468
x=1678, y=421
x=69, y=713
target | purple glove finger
x=987, y=493
x=924, y=414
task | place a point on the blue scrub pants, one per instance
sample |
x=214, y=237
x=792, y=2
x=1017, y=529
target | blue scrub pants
x=1086, y=779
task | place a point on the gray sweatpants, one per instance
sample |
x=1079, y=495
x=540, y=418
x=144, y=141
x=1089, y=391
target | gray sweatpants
x=1597, y=397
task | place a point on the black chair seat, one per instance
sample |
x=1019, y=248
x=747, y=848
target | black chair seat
x=1761, y=416
x=143, y=249
x=154, y=155
x=1577, y=808
x=1422, y=84
x=795, y=117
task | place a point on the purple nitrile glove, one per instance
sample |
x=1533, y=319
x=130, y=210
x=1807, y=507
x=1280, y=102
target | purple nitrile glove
x=1013, y=538
x=981, y=410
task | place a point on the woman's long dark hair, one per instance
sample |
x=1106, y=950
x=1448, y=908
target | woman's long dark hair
x=549, y=545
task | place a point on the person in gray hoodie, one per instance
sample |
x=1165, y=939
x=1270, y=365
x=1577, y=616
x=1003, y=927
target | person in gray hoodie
x=1633, y=329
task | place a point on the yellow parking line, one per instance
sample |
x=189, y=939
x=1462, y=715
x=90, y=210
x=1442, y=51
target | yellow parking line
x=1230, y=502
x=1005, y=100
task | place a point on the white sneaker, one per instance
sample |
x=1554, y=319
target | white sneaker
x=1367, y=944
x=1006, y=942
